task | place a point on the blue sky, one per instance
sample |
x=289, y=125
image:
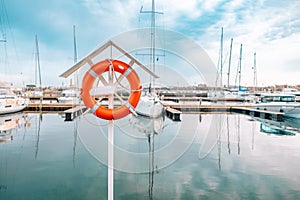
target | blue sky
x=270, y=28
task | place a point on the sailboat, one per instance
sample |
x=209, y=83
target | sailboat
x=9, y=101
x=71, y=95
x=217, y=90
x=238, y=93
x=150, y=105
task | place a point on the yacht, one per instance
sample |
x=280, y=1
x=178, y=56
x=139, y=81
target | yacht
x=10, y=102
x=279, y=102
x=292, y=91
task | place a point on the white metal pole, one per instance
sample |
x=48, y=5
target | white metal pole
x=110, y=160
x=110, y=145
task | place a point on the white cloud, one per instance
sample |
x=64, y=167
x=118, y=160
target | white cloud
x=268, y=27
x=271, y=31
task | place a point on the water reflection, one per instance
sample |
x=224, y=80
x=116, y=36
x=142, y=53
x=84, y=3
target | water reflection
x=228, y=135
x=11, y=122
x=150, y=127
x=252, y=174
x=75, y=136
x=38, y=121
x=224, y=129
x=229, y=124
x=289, y=126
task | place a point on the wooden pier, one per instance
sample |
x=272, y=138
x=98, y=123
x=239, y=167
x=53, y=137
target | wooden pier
x=264, y=114
x=177, y=99
x=48, y=107
x=173, y=114
x=72, y=113
x=174, y=110
x=51, y=99
x=200, y=108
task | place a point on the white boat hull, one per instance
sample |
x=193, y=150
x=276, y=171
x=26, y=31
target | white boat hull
x=12, y=109
x=150, y=106
x=12, y=105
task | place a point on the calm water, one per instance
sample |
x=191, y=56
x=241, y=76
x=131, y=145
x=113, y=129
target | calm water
x=202, y=157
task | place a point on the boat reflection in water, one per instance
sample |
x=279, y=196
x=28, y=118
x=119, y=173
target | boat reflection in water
x=150, y=123
x=149, y=127
x=287, y=127
x=10, y=122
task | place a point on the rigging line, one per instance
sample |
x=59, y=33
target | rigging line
x=124, y=87
x=237, y=74
x=10, y=31
x=5, y=60
x=2, y=20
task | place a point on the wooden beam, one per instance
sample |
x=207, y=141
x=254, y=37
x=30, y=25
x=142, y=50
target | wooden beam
x=88, y=59
x=85, y=60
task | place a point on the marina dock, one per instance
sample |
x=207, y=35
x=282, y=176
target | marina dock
x=173, y=114
x=173, y=109
x=74, y=112
x=208, y=99
x=263, y=114
x=48, y=107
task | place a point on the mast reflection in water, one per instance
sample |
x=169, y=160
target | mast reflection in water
x=150, y=127
x=244, y=163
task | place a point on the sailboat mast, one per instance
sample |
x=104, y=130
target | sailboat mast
x=229, y=63
x=38, y=67
x=221, y=59
x=153, y=41
x=75, y=56
x=2, y=23
x=75, y=48
x=3, y=33
x=255, y=75
x=240, y=66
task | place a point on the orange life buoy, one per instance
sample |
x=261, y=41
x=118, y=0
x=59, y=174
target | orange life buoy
x=118, y=112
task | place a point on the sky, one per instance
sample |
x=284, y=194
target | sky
x=269, y=28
